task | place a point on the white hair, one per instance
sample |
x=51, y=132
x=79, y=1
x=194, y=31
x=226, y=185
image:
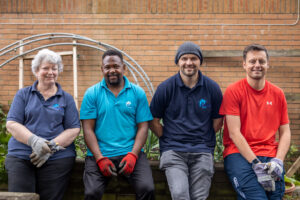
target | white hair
x=48, y=56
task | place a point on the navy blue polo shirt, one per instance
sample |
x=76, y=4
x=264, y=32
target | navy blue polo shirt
x=187, y=114
x=46, y=119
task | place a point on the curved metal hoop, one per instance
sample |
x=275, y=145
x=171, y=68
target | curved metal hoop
x=135, y=71
x=95, y=45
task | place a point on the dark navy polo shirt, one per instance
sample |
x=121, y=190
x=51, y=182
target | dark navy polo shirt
x=46, y=119
x=187, y=114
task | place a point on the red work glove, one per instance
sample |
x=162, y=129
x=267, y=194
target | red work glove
x=127, y=164
x=106, y=167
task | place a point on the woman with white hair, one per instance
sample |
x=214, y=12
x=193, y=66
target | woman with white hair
x=44, y=122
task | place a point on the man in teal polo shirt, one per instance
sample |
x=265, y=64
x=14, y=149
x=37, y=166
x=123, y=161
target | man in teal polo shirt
x=115, y=115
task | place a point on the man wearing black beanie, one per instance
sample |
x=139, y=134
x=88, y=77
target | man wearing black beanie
x=188, y=104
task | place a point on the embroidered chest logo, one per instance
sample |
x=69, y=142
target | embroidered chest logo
x=57, y=107
x=269, y=103
x=203, y=103
x=128, y=104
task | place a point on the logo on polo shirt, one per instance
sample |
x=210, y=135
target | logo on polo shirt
x=204, y=104
x=57, y=107
x=269, y=103
x=128, y=104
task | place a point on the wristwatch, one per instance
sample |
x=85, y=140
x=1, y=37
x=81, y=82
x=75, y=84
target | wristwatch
x=255, y=161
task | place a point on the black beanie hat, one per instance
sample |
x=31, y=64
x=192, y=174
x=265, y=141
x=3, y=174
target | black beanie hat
x=188, y=48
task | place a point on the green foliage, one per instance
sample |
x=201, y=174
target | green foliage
x=152, y=146
x=218, y=154
x=288, y=183
x=291, y=180
x=4, y=137
x=2, y=121
x=80, y=146
x=291, y=156
x=292, y=153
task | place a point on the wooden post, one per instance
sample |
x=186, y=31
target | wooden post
x=293, y=168
x=21, y=67
x=75, y=73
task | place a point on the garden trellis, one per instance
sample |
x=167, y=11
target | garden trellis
x=73, y=41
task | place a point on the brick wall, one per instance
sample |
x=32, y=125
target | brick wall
x=147, y=6
x=151, y=31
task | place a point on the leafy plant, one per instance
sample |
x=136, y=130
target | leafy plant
x=292, y=153
x=80, y=146
x=2, y=120
x=218, y=153
x=152, y=146
x=4, y=137
x=291, y=180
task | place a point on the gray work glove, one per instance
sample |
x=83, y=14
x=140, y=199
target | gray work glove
x=275, y=168
x=38, y=145
x=265, y=179
x=38, y=161
x=54, y=147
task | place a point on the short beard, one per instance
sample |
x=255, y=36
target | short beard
x=189, y=75
x=115, y=83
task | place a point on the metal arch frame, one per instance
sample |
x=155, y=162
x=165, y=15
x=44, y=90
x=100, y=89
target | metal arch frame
x=49, y=36
x=130, y=67
x=19, y=44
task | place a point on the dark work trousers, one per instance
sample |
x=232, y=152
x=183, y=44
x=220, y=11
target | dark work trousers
x=141, y=178
x=50, y=181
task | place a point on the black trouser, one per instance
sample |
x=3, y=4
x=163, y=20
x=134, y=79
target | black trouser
x=141, y=178
x=50, y=181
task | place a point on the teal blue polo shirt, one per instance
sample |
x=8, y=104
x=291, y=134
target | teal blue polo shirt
x=116, y=117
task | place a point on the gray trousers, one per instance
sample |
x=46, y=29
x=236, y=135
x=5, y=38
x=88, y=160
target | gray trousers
x=141, y=178
x=188, y=174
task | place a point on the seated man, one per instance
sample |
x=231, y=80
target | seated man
x=115, y=115
x=188, y=103
x=255, y=110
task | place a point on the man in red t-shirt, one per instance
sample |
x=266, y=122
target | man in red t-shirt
x=255, y=110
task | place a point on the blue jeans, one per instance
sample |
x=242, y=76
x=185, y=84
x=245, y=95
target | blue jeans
x=188, y=174
x=244, y=180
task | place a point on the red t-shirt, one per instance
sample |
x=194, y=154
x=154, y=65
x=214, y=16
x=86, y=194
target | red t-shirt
x=261, y=113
